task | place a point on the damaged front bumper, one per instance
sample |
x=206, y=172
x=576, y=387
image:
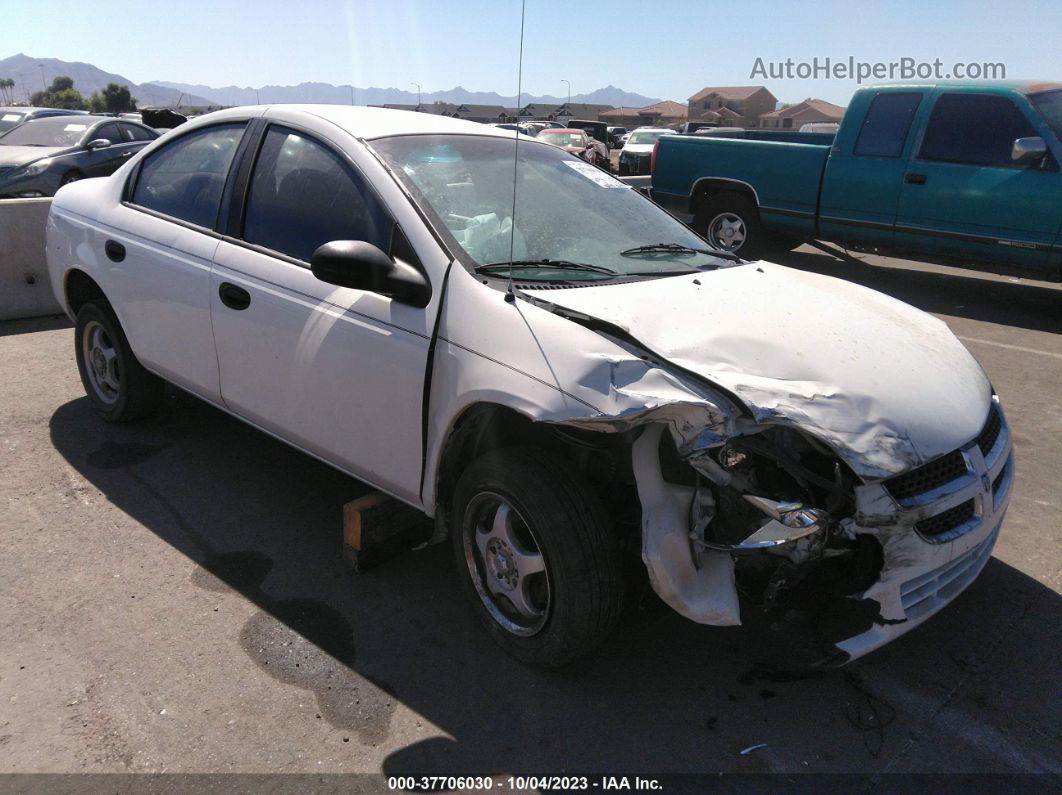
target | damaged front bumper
x=933, y=530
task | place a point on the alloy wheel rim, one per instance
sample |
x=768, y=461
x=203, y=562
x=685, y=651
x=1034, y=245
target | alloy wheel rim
x=101, y=362
x=506, y=564
x=727, y=231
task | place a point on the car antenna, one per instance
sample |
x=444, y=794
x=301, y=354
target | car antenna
x=509, y=295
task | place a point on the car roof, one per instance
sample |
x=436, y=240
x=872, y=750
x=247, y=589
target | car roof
x=362, y=122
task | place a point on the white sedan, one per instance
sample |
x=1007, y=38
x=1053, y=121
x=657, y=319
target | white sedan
x=559, y=372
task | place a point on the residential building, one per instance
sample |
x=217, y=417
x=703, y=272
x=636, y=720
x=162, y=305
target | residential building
x=660, y=114
x=745, y=103
x=808, y=111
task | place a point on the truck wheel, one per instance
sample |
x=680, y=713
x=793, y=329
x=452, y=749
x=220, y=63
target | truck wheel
x=117, y=384
x=536, y=555
x=730, y=222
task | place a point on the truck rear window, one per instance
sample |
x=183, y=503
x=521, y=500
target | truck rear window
x=885, y=127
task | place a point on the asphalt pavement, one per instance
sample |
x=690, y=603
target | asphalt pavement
x=174, y=600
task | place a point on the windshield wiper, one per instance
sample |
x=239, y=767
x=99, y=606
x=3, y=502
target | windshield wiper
x=558, y=264
x=677, y=248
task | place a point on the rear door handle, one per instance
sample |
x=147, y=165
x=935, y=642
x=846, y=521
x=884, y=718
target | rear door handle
x=115, y=251
x=915, y=179
x=234, y=297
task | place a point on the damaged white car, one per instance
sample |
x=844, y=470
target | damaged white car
x=555, y=369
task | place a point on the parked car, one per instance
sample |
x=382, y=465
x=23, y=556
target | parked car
x=820, y=127
x=614, y=136
x=597, y=130
x=40, y=156
x=14, y=115
x=590, y=383
x=636, y=155
x=966, y=174
x=577, y=142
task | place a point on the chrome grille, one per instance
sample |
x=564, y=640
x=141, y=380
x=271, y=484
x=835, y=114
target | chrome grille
x=928, y=476
x=986, y=440
x=947, y=521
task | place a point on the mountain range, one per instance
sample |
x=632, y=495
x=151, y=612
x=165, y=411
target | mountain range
x=33, y=74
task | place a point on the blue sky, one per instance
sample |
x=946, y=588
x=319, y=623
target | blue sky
x=664, y=48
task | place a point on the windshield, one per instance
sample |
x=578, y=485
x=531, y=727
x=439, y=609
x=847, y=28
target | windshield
x=567, y=210
x=1050, y=106
x=565, y=138
x=9, y=120
x=647, y=137
x=58, y=131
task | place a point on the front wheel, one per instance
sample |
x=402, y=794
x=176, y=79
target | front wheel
x=71, y=176
x=117, y=384
x=536, y=554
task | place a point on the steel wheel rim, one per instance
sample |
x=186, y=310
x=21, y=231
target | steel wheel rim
x=727, y=231
x=506, y=564
x=101, y=362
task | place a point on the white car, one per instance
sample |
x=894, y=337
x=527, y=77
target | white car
x=635, y=157
x=588, y=383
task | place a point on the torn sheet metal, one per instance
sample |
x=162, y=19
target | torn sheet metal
x=885, y=385
x=706, y=593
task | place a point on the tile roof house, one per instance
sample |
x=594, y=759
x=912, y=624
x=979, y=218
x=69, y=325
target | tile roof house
x=658, y=114
x=806, y=112
x=481, y=113
x=747, y=104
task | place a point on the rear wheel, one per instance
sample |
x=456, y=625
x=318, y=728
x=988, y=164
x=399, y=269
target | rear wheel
x=536, y=555
x=117, y=384
x=731, y=223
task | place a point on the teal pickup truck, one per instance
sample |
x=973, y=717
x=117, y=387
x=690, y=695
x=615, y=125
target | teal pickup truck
x=961, y=173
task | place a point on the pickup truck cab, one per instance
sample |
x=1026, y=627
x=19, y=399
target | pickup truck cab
x=561, y=374
x=961, y=173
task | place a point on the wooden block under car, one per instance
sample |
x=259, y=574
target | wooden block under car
x=377, y=527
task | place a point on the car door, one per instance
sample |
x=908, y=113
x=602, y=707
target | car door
x=864, y=173
x=336, y=371
x=160, y=244
x=963, y=196
x=105, y=160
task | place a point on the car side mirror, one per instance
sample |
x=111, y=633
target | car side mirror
x=1028, y=151
x=363, y=266
x=98, y=143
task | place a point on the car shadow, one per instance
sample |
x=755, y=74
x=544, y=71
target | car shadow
x=1025, y=304
x=663, y=695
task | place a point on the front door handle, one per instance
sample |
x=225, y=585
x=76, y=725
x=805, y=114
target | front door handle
x=915, y=179
x=115, y=251
x=234, y=297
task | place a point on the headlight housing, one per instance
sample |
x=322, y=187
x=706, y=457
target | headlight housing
x=36, y=167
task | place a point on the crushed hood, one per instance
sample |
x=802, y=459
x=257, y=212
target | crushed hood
x=887, y=386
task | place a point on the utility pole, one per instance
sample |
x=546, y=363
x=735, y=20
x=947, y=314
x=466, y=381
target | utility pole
x=352, y=95
x=569, y=90
x=418, y=92
x=257, y=101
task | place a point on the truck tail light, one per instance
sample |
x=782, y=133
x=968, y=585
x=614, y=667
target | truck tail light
x=652, y=158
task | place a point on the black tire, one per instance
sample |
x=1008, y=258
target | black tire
x=725, y=208
x=120, y=389
x=71, y=176
x=557, y=516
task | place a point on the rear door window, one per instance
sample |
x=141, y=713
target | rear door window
x=303, y=195
x=885, y=127
x=975, y=129
x=185, y=178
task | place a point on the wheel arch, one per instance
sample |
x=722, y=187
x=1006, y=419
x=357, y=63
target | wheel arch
x=706, y=187
x=78, y=289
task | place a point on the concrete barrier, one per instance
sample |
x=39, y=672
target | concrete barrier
x=24, y=287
